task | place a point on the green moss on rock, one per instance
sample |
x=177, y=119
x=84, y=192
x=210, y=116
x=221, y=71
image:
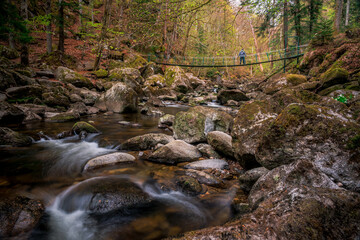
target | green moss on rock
x=334, y=76
x=101, y=73
x=84, y=126
x=295, y=79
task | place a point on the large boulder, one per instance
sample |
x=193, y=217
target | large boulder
x=249, y=178
x=146, y=141
x=130, y=76
x=281, y=82
x=29, y=92
x=18, y=216
x=150, y=70
x=319, y=134
x=119, y=98
x=334, y=76
x=6, y=80
x=67, y=75
x=175, y=152
x=250, y=124
x=54, y=99
x=221, y=142
x=236, y=95
x=10, y=137
x=192, y=126
x=10, y=114
x=108, y=160
x=177, y=79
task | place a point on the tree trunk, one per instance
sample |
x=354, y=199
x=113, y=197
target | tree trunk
x=165, y=29
x=48, y=28
x=190, y=23
x=256, y=43
x=61, y=47
x=11, y=35
x=297, y=21
x=106, y=20
x=81, y=29
x=347, y=13
x=338, y=14
x=24, y=55
x=286, y=24
x=312, y=17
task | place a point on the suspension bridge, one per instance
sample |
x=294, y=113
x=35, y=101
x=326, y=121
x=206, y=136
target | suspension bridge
x=230, y=61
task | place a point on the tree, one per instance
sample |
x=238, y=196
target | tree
x=48, y=27
x=24, y=56
x=61, y=26
x=338, y=14
x=347, y=13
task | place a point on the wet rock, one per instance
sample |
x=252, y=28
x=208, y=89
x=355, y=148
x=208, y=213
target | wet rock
x=193, y=125
x=119, y=99
x=208, y=164
x=167, y=120
x=67, y=75
x=248, y=179
x=189, y=185
x=221, y=142
x=315, y=133
x=24, y=92
x=207, y=151
x=84, y=126
x=226, y=95
x=250, y=124
x=175, y=152
x=19, y=215
x=64, y=117
x=10, y=137
x=146, y=141
x=10, y=114
x=78, y=108
x=108, y=159
x=203, y=177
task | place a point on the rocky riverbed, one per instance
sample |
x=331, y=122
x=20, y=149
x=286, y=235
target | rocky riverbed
x=133, y=152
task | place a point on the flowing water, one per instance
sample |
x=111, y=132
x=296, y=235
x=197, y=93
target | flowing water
x=117, y=202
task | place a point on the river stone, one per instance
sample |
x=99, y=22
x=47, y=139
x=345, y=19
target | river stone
x=83, y=126
x=151, y=69
x=108, y=159
x=129, y=76
x=120, y=98
x=177, y=79
x=67, y=75
x=18, y=215
x=167, y=120
x=207, y=164
x=319, y=134
x=250, y=124
x=248, y=179
x=174, y=152
x=207, y=151
x=10, y=137
x=226, y=95
x=64, y=117
x=189, y=185
x=54, y=99
x=10, y=114
x=78, y=108
x=203, y=177
x=19, y=93
x=221, y=142
x=146, y=141
x=192, y=126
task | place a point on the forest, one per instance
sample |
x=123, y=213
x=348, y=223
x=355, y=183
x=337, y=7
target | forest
x=179, y=119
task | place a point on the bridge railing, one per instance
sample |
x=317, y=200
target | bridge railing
x=227, y=60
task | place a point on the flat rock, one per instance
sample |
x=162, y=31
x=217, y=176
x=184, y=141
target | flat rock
x=108, y=159
x=208, y=164
x=175, y=152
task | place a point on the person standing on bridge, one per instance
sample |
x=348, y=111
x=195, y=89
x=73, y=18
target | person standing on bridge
x=242, y=56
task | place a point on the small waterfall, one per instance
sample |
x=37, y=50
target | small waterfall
x=66, y=157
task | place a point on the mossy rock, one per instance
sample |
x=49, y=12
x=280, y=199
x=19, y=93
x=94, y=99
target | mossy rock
x=334, y=76
x=65, y=117
x=170, y=74
x=84, y=126
x=8, y=52
x=10, y=137
x=101, y=73
x=295, y=79
x=331, y=89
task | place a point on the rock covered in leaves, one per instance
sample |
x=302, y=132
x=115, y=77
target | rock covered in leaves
x=192, y=126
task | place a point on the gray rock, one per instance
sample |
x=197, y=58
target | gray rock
x=64, y=117
x=45, y=73
x=221, y=142
x=208, y=164
x=167, y=119
x=67, y=75
x=10, y=113
x=146, y=141
x=226, y=95
x=75, y=98
x=203, y=177
x=207, y=151
x=248, y=179
x=17, y=93
x=108, y=159
x=10, y=137
x=78, y=108
x=92, y=110
x=175, y=152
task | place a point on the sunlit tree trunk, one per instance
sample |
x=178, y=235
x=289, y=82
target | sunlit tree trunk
x=286, y=24
x=347, y=13
x=48, y=28
x=338, y=14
